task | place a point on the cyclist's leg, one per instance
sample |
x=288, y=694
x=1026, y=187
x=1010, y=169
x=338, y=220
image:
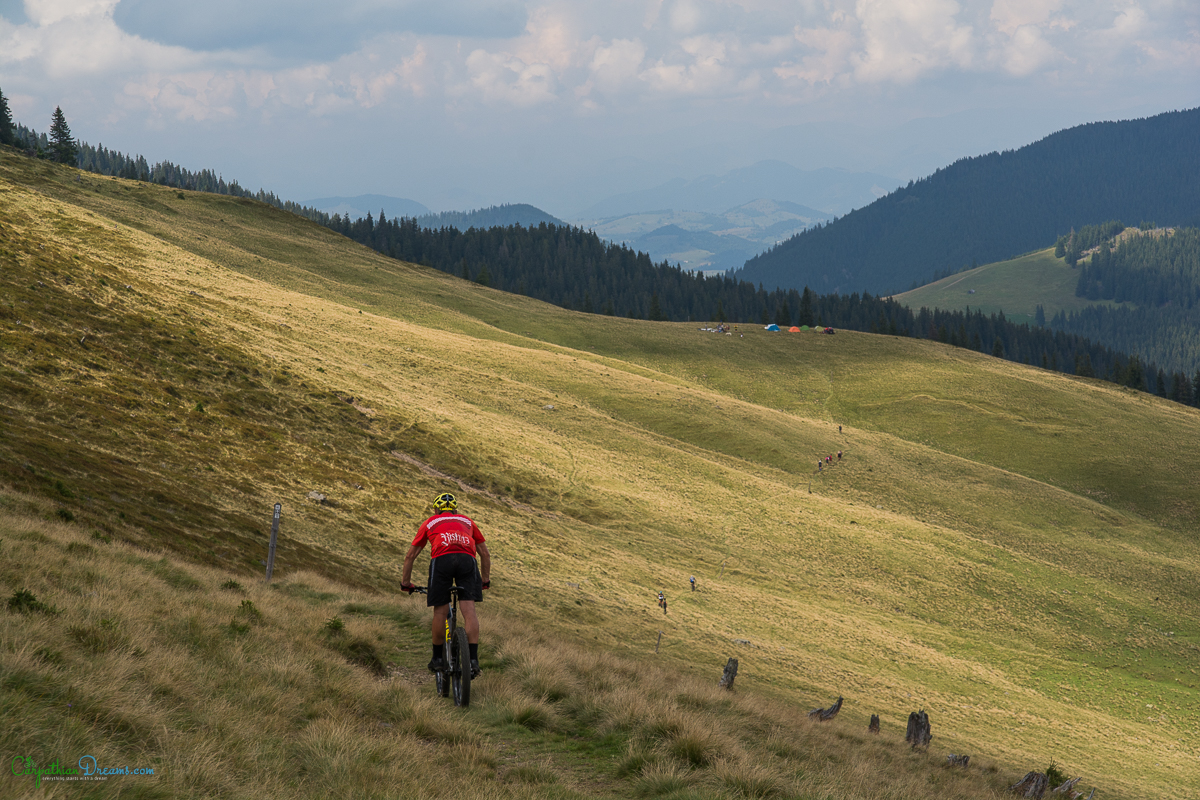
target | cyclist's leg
x=438, y=598
x=470, y=620
x=439, y=623
x=471, y=584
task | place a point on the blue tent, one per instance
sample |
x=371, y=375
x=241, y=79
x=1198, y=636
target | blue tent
x=773, y=327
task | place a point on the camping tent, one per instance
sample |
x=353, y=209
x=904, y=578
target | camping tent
x=793, y=329
x=772, y=327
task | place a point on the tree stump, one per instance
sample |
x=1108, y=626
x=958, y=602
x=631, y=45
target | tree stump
x=874, y=726
x=730, y=674
x=958, y=761
x=826, y=714
x=918, y=733
x=1067, y=787
x=1032, y=785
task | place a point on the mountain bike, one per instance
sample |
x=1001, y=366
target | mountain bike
x=456, y=677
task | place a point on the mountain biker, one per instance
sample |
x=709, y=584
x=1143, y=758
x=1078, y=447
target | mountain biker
x=454, y=540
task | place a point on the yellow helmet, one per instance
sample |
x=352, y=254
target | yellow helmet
x=445, y=502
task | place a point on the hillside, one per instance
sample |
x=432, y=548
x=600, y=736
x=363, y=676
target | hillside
x=1136, y=290
x=1016, y=286
x=999, y=205
x=1007, y=548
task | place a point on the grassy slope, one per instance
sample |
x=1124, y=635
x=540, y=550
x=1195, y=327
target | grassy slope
x=1016, y=287
x=1004, y=547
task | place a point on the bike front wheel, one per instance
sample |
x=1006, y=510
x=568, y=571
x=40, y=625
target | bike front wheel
x=460, y=670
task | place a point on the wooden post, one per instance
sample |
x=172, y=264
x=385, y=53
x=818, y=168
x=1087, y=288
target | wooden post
x=730, y=673
x=656, y=644
x=1033, y=785
x=722, y=568
x=874, y=726
x=826, y=714
x=1068, y=787
x=918, y=733
x=274, y=538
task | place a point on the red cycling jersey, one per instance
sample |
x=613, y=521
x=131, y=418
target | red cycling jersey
x=448, y=533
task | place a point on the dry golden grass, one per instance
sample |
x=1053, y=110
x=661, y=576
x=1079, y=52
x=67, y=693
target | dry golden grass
x=1007, y=548
x=224, y=702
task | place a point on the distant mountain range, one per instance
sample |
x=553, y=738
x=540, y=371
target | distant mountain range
x=395, y=207
x=698, y=240
x=999, y=205
x=833, y=191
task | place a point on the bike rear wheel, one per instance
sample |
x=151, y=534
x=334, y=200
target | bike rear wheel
x=460, y=674
x=443, y=677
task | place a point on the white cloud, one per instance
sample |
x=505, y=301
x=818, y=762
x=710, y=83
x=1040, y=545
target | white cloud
x=706, y=71
x=906, y=39
x=195, y=96
x=48, y=12
x=685, y=16
x=696, y=66
x=1027, y=51
x=616, y=64
x=1010, y=15
x=829, y=54
x=504, y=78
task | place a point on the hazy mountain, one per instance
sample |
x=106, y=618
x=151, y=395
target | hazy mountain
x=833, y=191
x=491, y=217
x=358, y=207
x=694, y=250
x=999, y=205
x=706, y=241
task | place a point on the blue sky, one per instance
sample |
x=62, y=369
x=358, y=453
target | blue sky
x=464, y=103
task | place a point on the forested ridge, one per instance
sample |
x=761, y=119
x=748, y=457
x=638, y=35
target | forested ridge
x=490, y=217
x=996, y=206
x=1155, y=274
x=573, y=268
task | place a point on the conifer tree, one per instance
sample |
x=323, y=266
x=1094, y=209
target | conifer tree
x=63, y=148
x=656, y=312
x=7, y=135
x=806, y=312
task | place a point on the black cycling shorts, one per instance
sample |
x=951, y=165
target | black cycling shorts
x=456, y=569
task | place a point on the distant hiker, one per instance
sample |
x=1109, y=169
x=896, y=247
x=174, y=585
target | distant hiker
x=820, y=465
x=839, y=455
x=662, y=601
x=454, y=540
x=839, y=428
x=693, y=583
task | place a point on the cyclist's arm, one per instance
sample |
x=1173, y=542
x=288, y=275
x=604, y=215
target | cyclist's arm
x=485, y=561
x=409, y=558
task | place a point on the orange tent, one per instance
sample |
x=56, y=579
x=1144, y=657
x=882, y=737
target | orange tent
x=793, y=329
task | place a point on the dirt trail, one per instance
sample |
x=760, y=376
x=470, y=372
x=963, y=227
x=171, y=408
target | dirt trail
x=467, y=488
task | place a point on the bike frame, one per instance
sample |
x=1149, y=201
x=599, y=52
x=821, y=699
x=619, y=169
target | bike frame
x=456, y=676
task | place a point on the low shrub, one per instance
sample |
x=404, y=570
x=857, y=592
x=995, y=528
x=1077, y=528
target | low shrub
x=23, y=602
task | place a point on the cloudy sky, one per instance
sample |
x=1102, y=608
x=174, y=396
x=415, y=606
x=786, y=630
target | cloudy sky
x=462, y=103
